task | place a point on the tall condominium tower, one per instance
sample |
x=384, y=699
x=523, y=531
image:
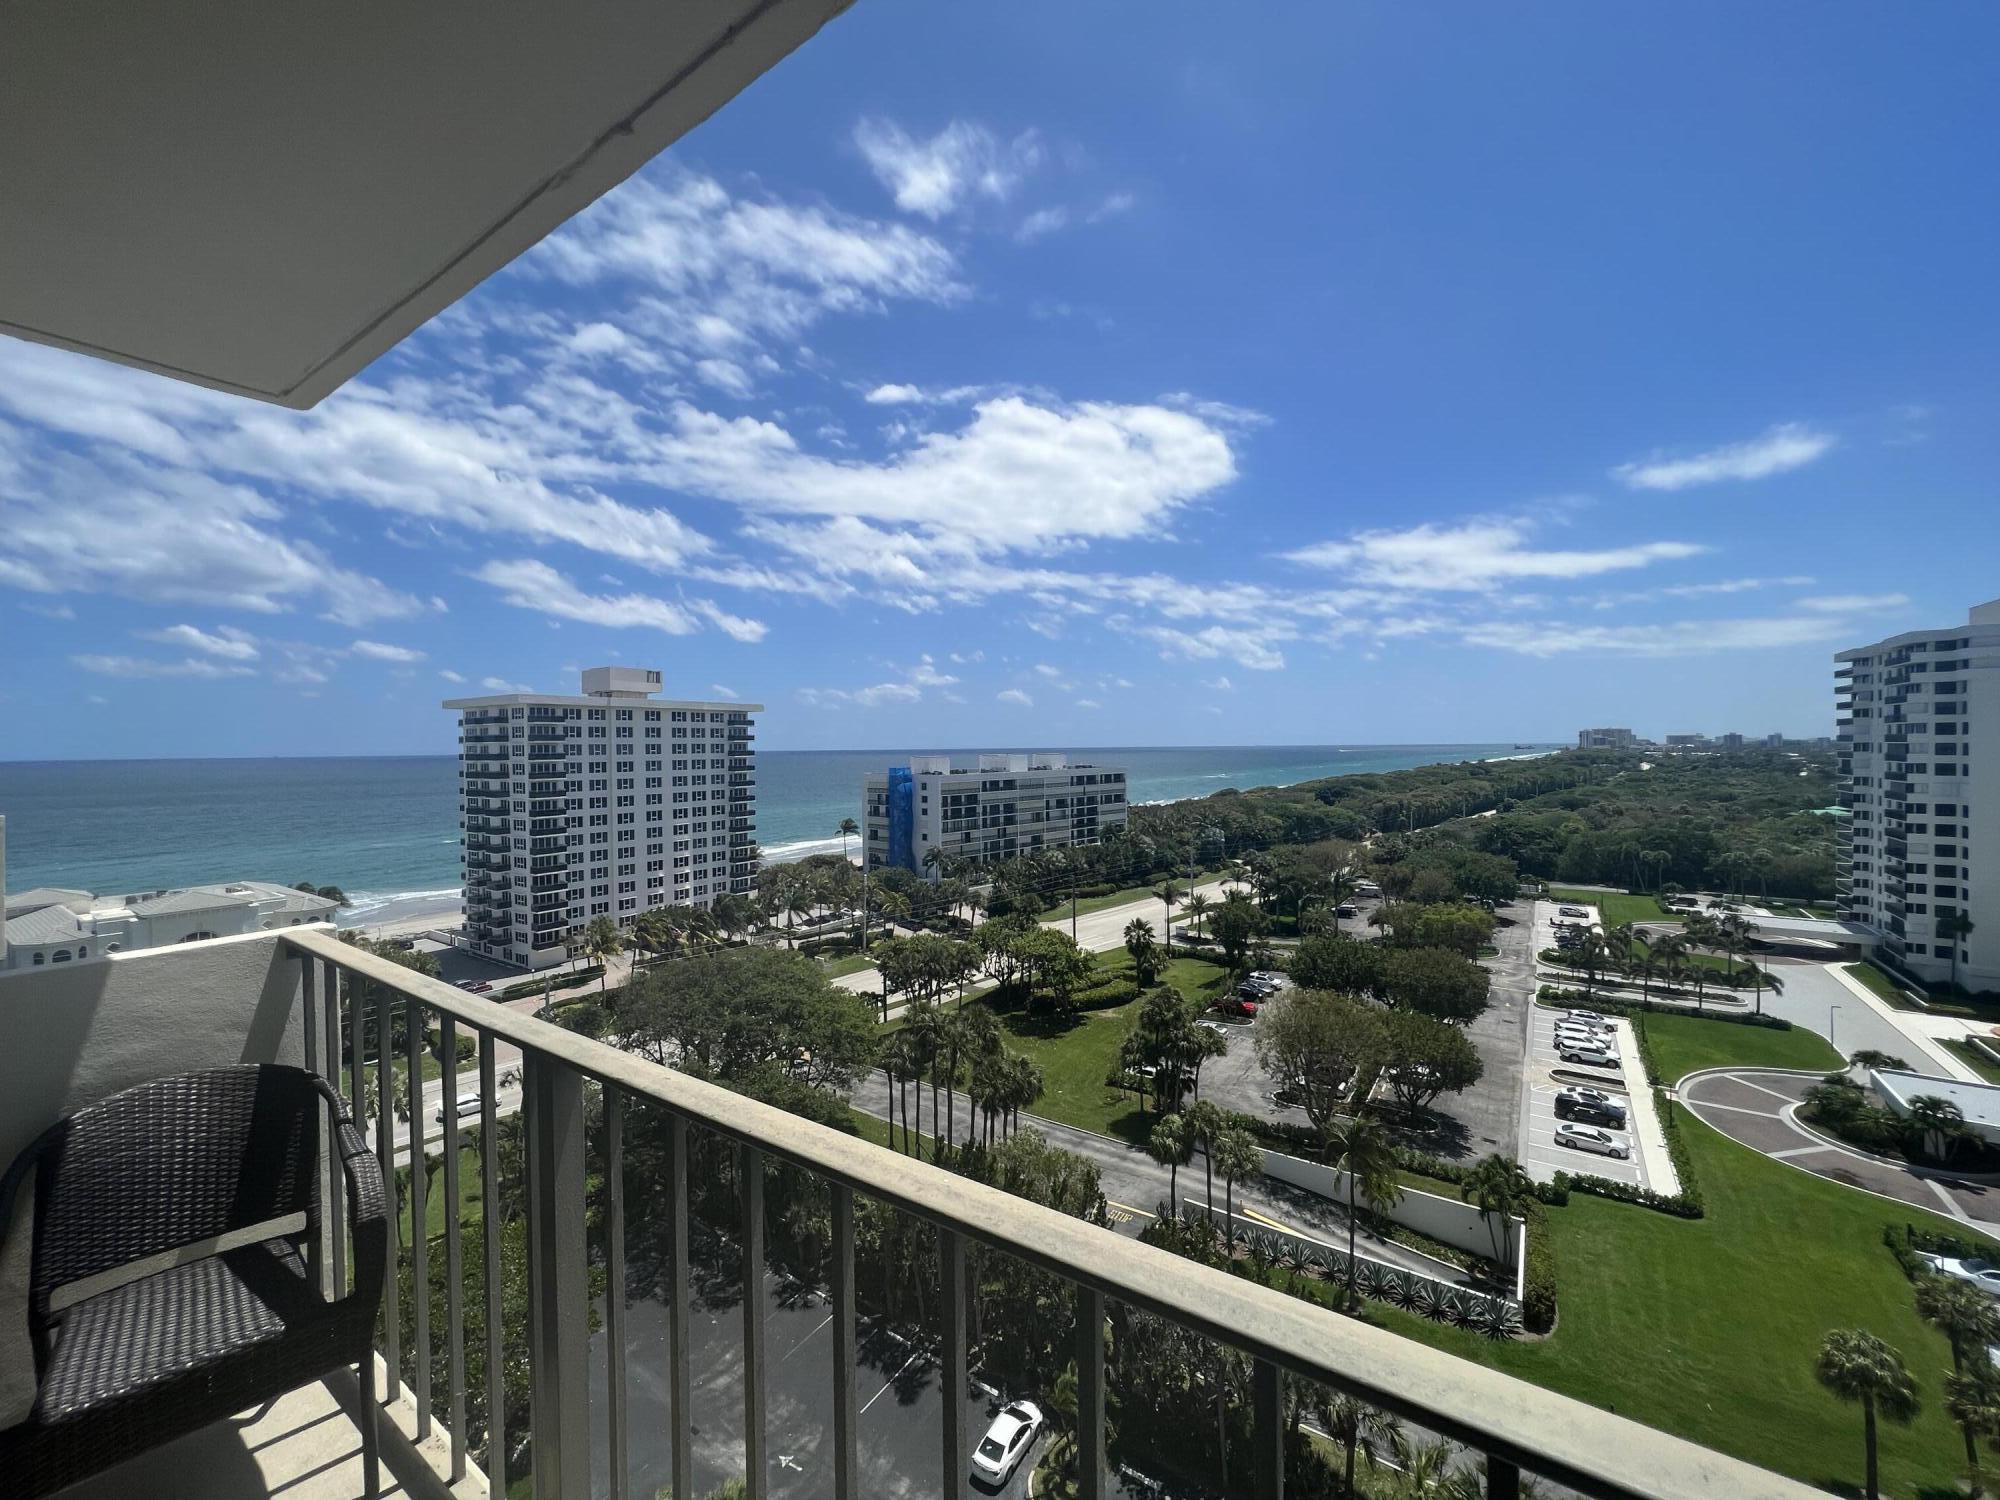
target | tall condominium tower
x=1919, y=747
x=1005, y=805
x=607, y=804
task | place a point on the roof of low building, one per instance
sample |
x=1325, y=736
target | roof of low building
x=47, y=924
x=43, y=895
x=176, y=903
x=1978, y=1102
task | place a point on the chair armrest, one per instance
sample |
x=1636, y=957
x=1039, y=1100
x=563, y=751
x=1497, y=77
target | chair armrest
x=367, y=1214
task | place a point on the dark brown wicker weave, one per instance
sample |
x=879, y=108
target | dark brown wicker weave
x=157, y=1169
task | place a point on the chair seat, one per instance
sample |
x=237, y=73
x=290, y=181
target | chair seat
x=171, y=1326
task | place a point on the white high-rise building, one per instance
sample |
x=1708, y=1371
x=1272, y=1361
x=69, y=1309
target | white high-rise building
x=607, y=804
x=1919, y=748
x=1004, y=806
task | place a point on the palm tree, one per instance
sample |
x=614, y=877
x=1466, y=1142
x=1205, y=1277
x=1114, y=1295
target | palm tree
x=1666, y=959
x=603, y=942
x=1500, y=1189
x=1171, y=1146
x=1592, y=954
x=1360, y=1146
x=1972, y=1399
x=1169, y=898
x=1204, y=1122
x=1871, y=1059
x=1350, y=1422
x=1968, y=1318
x=1656, y=860
x=1953, y=928
x=1732, y=936
x=1940, y=1123
x=1238, y=1157
x=1196, y=908
x=1856, y=1366
x=1145, y=952
x=1762, y=979
x=848, y=829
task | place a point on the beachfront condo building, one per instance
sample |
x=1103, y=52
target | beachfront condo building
x=1919, y=762
x=1003, y=806
x=607, y=804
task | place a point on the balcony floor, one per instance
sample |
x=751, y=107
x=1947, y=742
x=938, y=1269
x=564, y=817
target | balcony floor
x=303, y=1446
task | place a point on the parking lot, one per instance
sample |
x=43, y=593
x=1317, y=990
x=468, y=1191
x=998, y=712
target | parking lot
x=1547, y=1074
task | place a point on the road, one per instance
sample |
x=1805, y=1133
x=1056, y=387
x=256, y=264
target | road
x=1135, y=1185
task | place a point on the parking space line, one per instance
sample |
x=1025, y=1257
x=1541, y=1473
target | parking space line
x=1735, y=1109
x=1795, y=1151
x=891, y=1381
x=1774, y=1093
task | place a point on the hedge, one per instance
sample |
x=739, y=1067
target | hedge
x=1538, y=1286
x=1115, y=992
x=1556, y=997
x=1906, y=1239
x=1740, y=979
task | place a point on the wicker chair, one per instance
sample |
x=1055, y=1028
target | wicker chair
x=152, y=1312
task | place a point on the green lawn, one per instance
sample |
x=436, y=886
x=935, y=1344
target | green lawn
x=1881, y=984
x=1682, y=1044
x=847, y=963
x=1708, y=1328
x=1977, y=1060
x=1088, y=904
x=1616, y=907
x=1078, y=1053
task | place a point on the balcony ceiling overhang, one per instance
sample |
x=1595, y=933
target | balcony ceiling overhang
x=262, y=199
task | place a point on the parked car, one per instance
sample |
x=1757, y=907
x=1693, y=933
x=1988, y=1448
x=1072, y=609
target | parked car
x=475, y=986
x=468, y=1104
x=1981, y=1273
x=1588, y=1015
x=1237, y=1005
x=1574, y=911
x=1611, y=1115
x=1367, y=888
x=1588, y=1054
x=1578, y=1094
x=1590, y=1138
x=1345, y=909
x=1006, y=1443
x=1584, y=1030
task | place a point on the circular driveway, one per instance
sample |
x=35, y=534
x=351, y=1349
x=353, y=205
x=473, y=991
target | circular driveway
x=1756, y=1107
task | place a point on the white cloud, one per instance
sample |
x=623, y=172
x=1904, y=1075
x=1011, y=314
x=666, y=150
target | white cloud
x=383, y=651
x=1040, y=223
x=1049, y=671
x=1220, y=684
x=502, y=685
x=933, y=177
x=909, y=687
x=226, y=642
x=723, y=692
x=893, y=395
x=451, y=677
x=1700, y=590
x=1474, y=555
x=1787, y=446
x=1088, y=703
x=51, y=611
x=1252, y=646
x=1114, y=204
x=528, y=584
x=1853, y=603
x=133, y=666
x=1674, y=638
x=1014, y=696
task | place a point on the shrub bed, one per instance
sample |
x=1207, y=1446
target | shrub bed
x=1560, y=998
x=1906, y=1239
x=1538, y=1286
x=1739, y=979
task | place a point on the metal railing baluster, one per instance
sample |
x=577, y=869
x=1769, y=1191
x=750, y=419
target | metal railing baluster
x=951, y=1379
x=1267, y=1429
x=309, y=1027
x=1503, y=1479
x=846, y=1458
x=560, y=1270
x=1090, y=1392
x=750, y=1179
x=420, y=1237
x=679, y=1378
x=385, y=1160
x=336, y=1199
x=490, y=1228
x=614, y=1308
x=454, y=1254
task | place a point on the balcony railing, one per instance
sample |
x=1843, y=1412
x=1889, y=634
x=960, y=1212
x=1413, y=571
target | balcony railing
x=1518, y=1427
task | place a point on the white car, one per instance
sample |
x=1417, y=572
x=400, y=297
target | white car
x=468, y=1104
x=1006, y=1443
x=1981, y=1273
x=1590, y=1017
x=1589, y=1054
x=1590, y=1138
x=1588, y=1035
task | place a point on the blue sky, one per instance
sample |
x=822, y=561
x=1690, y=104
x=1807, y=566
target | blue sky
x=1360, y=373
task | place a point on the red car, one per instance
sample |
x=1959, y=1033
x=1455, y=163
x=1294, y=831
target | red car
x=1236, y=1005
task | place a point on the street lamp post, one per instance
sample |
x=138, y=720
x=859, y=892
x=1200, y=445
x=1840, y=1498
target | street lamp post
x=1832, y=1016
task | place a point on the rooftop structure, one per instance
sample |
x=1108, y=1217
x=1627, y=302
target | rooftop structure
x=52, y=926
x=1979, y=1103
x=1918, y=720
x=608, y=803
x=932, y=811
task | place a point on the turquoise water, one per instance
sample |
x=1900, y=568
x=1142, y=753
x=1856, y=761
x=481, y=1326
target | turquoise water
x=386, y=829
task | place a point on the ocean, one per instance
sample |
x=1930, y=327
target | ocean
x=385, y=829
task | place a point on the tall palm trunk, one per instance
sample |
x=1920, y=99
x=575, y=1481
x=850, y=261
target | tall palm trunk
x=1868, y=1436
x=891, y=1076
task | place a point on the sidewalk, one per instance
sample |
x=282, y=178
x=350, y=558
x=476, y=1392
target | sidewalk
x=1922, y=1040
